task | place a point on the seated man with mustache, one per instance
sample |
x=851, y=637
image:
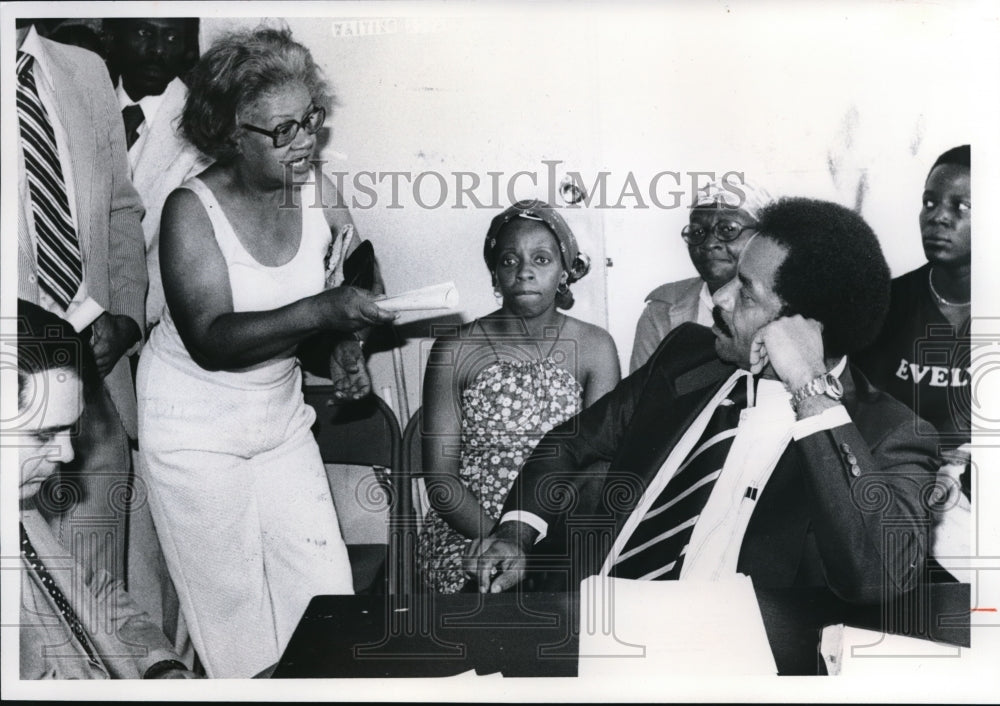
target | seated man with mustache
x=754, y=447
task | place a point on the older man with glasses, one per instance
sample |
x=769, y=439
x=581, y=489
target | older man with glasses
x=720, y=226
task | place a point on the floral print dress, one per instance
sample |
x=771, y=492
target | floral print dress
x=506, y=410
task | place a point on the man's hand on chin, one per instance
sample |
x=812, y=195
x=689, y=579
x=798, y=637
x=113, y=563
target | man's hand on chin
x=793, y=345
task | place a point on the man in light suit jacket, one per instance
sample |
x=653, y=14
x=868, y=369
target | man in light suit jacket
x=820, y=484
x=72, y=85
x=148, y=55
x=76, y=619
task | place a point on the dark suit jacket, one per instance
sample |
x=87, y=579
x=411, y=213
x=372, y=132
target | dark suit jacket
x=816, y=523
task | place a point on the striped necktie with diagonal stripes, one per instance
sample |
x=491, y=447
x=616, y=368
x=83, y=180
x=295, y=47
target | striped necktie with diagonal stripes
x=655, y=551
x=60, y=264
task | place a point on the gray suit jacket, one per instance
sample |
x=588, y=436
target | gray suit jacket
x=126, y=642
x=108, y=209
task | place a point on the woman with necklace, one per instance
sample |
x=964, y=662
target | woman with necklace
x=957, y=312
x=922, y=355
x=496, y=387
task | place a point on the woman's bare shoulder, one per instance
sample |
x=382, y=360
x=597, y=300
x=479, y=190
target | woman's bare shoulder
x=185, y=200
x=595, y=344
x=584, y=332
x=183, y=207
x=459, y=347
x=186, y=226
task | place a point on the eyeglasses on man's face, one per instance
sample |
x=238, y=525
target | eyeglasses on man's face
x=285, y=132
x=724, y=231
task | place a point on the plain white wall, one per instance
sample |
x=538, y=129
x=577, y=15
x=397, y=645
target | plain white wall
x=472, y=95
x=806, y=101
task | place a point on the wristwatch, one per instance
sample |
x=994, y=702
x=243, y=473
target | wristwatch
x=826, y=384
x=162, y=667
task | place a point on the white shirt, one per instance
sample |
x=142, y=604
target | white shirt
x=705, y=305
x=150, y=105
x=765, y=429
x=82, y=310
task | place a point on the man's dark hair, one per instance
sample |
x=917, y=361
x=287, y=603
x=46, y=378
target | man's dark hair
x=192, y=50
x=47, y=342
x=834, y=272
x=960, y=156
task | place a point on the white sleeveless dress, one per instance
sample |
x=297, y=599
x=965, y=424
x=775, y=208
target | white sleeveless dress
x=237, y=489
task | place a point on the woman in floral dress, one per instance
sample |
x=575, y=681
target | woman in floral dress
x=496, y=387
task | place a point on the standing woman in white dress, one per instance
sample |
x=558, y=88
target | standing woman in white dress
x=237, y=488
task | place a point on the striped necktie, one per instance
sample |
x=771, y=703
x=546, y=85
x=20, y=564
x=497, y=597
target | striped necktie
x=60, y=264
x=65, y=609
x=655, y=551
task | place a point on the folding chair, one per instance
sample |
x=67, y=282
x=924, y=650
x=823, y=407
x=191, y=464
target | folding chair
x=413, y=460
x=366, y=433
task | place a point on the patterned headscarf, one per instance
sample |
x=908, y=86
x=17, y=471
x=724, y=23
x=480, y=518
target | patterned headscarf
x=576, y=263
x=726, y=193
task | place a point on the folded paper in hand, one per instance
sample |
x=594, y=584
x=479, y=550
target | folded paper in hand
x=438, y=296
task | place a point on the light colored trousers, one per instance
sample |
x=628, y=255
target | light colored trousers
x=243, y=510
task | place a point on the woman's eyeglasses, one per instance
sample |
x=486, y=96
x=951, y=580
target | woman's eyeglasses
x=284, y=133
x=724, y=231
